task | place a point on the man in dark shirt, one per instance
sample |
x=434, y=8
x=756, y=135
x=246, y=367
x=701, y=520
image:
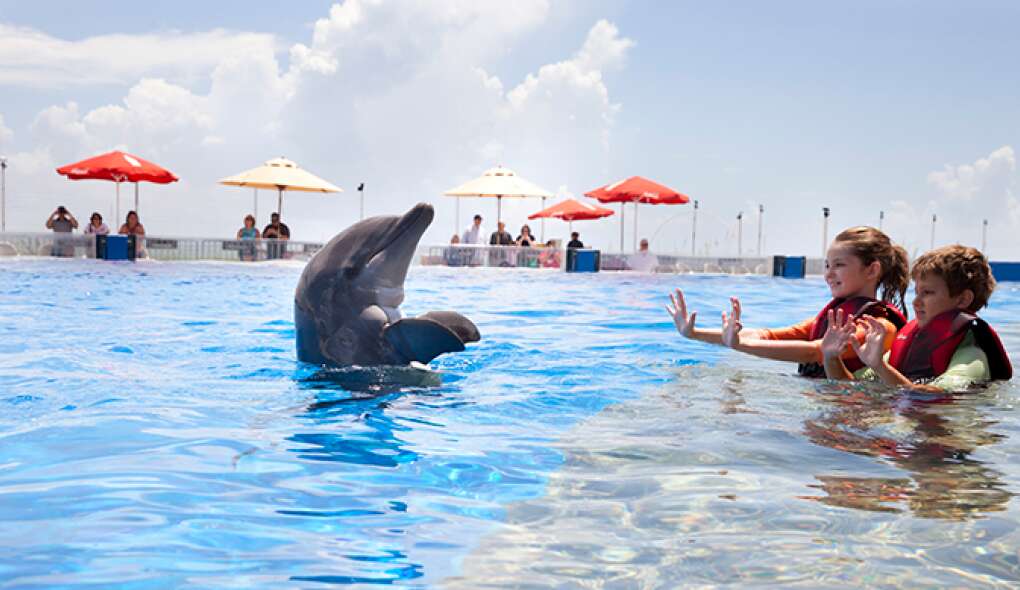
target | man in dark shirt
x=575, y=242
x=501, y=237
x=276, y=231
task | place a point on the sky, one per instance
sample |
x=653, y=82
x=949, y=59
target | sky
x=908, y=109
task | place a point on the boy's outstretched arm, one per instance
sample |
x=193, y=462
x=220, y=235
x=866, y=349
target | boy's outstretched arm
x=872, y=354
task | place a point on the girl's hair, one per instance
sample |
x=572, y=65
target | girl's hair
x=128, y=216
x=870, y=244
x=251, y=217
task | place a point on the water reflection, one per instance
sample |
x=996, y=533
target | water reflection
x=350, y=424
x=933, y=440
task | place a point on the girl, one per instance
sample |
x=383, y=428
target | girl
x=859, y=262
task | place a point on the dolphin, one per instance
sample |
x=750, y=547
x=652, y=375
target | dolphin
x=346, y=306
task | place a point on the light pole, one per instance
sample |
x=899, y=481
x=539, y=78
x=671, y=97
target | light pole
x=761, y=211
x=881, y=218
x=740, y=234
x=3, y=194
x=825, y=230
x=984, y=237
x=694, y=227
x=361, y=193
x=932, y=247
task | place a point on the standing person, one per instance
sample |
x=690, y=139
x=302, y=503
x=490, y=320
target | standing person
x=96, y=225
x=575, y=241
x=474, y=235
x=61, y=222
x=248, y=233
x=133, y=227
x=643, y=260
x=859, y=262
x=276, y=230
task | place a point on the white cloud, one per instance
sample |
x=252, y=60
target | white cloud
x=973, y=192
x=397, y=95
x=985, y=177
x=29, y=57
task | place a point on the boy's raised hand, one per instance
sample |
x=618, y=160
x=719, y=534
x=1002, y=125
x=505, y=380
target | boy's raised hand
x=678, y=311
x=731, y=325
x=872, y=349
x=838, y=334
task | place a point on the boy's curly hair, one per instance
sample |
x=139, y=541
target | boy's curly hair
x=961, y=267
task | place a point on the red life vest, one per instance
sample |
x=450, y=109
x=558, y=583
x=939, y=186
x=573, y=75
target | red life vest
x=856, y=306
x=924, y=353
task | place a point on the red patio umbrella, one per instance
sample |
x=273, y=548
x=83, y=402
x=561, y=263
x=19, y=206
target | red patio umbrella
x=636, y=190
x=571, y=210
x=118, y=167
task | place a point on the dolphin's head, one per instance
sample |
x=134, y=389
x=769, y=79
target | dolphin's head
x=371, y=257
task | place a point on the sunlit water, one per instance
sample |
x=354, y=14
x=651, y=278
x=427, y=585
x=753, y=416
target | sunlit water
x=158, y=432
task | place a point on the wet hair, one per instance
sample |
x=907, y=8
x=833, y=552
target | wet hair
x=962, y=268
x=870, y=244
x=128, y=216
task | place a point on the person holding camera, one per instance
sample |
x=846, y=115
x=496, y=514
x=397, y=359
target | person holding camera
x=61, y=222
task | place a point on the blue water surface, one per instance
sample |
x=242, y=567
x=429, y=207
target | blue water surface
x=157, y=430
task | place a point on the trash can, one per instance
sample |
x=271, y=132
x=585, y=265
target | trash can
x=789, y=267
x=115, y=247
x=583, y=260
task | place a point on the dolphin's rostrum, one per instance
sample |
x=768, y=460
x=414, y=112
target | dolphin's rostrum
x=346, y=304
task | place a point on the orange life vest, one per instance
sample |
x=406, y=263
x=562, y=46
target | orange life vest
x=856, y=306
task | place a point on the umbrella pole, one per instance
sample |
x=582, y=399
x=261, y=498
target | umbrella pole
x=279, y=201
x=570, y=227
x=542, y=237
x=117, y=218
x=456, y=218
x=499, y=209
x=635, y=226
x=255, y=202
x=136, y=197
x=621, y=227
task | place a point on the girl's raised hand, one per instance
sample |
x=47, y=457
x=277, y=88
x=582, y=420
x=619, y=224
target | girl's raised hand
x=837, y=335
x=678, y=311
x=731, y=325
x=872, y=349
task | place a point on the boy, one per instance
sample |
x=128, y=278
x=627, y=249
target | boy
x=945, y=346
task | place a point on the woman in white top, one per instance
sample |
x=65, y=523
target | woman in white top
x=96, y=226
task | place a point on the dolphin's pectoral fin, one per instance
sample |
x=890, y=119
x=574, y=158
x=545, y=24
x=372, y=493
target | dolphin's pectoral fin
x=421, y=339
x=464, y=328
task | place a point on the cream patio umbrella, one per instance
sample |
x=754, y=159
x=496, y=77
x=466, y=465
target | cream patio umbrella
x=283, y=175
x=499, y=182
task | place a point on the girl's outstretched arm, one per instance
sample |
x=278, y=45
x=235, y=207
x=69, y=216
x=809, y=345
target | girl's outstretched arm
x=685, y=323
x=834, y=345
x=733, y=336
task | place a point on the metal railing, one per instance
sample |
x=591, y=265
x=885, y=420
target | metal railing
x=157, y=247
x=459, y=255
x=493, y=256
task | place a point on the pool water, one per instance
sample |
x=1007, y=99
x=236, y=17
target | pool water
x=158, y=432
